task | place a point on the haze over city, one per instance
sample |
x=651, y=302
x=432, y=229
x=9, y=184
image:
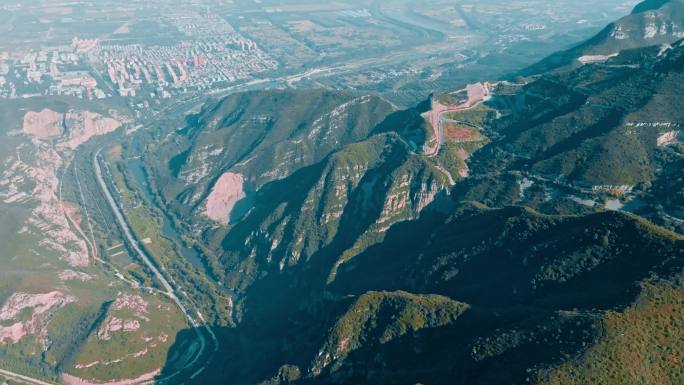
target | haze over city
x=343, y=192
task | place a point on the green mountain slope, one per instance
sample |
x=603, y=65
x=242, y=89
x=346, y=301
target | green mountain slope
x=537, y=287
x=261, y=135
x=650, y=23
x=610, y=128
x=380, y=317
x=365, y=261
x=484, y=296
x=335, y=208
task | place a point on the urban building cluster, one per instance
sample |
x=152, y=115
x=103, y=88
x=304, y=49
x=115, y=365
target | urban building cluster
x=56, y=70
x=210, y=54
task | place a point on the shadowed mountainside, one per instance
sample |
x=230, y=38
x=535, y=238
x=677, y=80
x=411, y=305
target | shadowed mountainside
x=510, y=289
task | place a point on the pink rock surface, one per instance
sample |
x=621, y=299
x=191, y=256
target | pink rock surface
x=667, y=138
x=86, y=366
x=14, y=333
x=477, y=93
x=227, y=191
x=83, y=125
x=87, y=125
x=41, y=306
x=135, y=303
x=72, y=212
x=51, y=217
x=40, y=303
x=114, y=324
x=73, y=380
x=463, y=155
x=70, y=275
x=45, y=124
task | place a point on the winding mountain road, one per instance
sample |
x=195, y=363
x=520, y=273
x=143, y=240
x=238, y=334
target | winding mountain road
x=477, y=94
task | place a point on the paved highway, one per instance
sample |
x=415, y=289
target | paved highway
x=135, y=245
x=22, y=379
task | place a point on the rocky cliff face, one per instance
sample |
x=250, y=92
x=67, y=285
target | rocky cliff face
x=292, y=174
x=345, y=203
x=262, y=136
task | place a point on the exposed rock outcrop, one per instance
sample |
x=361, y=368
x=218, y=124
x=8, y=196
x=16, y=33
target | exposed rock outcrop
x=227, y=191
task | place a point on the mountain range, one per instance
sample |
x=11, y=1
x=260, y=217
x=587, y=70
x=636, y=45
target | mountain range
x=525, y=230
x=540, y=244
x=650, y=23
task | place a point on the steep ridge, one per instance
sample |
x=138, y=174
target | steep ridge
x=367, y=264
x=512, y=293
x=597, y=107
x=381, y=317
x=601, y=130
x=260, y=136
x=535, y=285
x=650, y=23
x=517, y=253
x=338, y=206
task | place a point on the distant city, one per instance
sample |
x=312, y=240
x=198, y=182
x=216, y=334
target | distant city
x=212, y=55
x=126, y=51
x=341, y=192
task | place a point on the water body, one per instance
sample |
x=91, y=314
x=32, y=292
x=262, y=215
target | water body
x=168, y=230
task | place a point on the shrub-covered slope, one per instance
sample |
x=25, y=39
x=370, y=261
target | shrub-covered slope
x=600, y=124
x=262, y=136
x=650, y=23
